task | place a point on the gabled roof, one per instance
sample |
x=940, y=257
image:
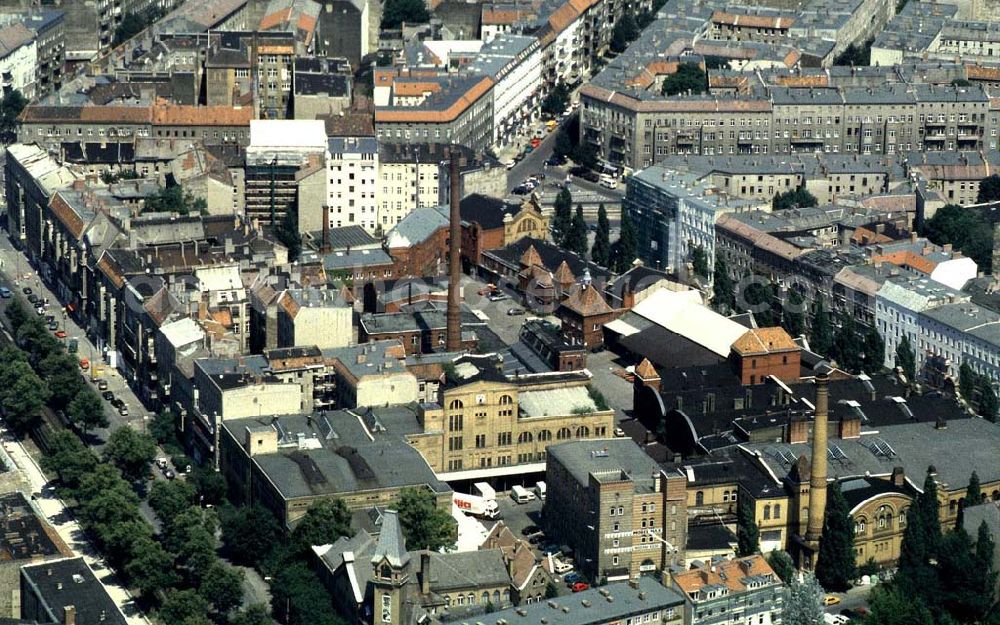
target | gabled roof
x=764, y=341
x=530, y=258
x=587, y=302
x=563, y=274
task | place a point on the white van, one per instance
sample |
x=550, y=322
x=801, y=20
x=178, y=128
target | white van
x=608, y=182
x=540, y=490
x=521, y=495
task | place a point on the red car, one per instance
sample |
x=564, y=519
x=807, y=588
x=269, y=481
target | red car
x=580, y=587
x=60, y=334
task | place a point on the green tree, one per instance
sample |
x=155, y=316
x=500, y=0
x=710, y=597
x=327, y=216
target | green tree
x=556, y=101
x=892, y=606
x=625, y=250
x=747, y=532
x=916, y=576
x=835, y=565
x=585, y=155
x=600, y=251
x=425, y=525
x=625, y=32
x=821, y=336
x=782, y=564
x=22, y=394
x=792, y=318
x=249, y=534
x=967, y=230
x=180, y=605
x=69, y=458
x=152, y=569
x=796, y=198
x=62, y=374
x=209, y=484
x=255, y=614
x=131, y=25
x=699, y=261
x=855, y=55
x=299, y=598
x=689, y=77
x=222, y=586
x=845, y=345
x=562, y=216
x=984, y=563
x=973, y=492
x=906, y=359
x=576, y=240
x=805, y=601
x=966, y=382
x=989, y=189
x=123, y=540
x=723, y=290
x=966, y=591
x=86, y=411
x=987, y=399
x=10, y=112
x=396, y=12
x=169, y=499
x=563, y=145
x=193, y=533
x=131, y=452
x=162, y=427
x=874, y=350
x=759, y=298
x=323, y=523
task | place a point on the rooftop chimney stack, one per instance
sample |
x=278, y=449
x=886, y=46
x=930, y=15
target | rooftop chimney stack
x=453, y=341
x=324, y=246
x=817, y=481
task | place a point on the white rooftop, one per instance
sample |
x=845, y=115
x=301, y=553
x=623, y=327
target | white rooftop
x=288, y=133
x=182, y=332
x=225, y=278
x=683, y=313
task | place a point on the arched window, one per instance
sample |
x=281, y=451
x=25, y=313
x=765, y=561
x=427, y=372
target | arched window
x=525, y=437
x=767, y=512
x=777, y=510
x=456, y=404
x=563, y=433
x=505, y=400
x=461, y=600
x=447, y=600
x=486, y=597
x=902, y=517
x=859, y=526
x=544, y=435
x=496, y=598
x=472, y=599
x=582, y=431
x=725, y=495
x=699, y=498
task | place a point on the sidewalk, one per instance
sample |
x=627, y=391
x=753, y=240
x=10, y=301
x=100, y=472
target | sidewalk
x=53, y=509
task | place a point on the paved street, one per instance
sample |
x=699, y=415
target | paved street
x=55, y=511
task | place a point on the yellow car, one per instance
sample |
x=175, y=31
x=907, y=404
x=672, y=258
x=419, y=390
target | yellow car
x=831, y=600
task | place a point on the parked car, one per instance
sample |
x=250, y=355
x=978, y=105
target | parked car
x=84, y=364
x=536, y=539
x=831, y=600
x=50, y=318
x=169, y=474
x=619, y=432
x=486, y=290
x=497, y=296
x=33, y=299
x=580, y=586
x=521, y=190
x=102, y=385
x=535, y=142
x=26, y=290
x=60, y=334
x=117, y=403
x=514, y=312
x=572, y=578
x=53, y=326
x=123, y=410
x=109, y=396
x=6, y=293
x=555, y=161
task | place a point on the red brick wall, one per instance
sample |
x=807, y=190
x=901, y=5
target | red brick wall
x=423, y=258
x=754, y=369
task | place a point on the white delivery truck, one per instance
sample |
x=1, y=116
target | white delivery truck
x=521, y=494
x=540, y=490
x=484, y=490
x=476, y=505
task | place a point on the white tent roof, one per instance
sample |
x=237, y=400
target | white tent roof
x=683, y=313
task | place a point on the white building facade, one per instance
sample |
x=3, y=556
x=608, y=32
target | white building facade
x=898, y=304
x=352, y=172
x=18, y=59
x=515, y=63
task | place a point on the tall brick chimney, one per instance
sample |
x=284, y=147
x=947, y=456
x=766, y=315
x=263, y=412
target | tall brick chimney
x=817, y=481
x=453, y=339
x=324, y=246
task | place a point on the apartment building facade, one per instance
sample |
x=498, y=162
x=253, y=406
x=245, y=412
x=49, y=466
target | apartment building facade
x=620, y=513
